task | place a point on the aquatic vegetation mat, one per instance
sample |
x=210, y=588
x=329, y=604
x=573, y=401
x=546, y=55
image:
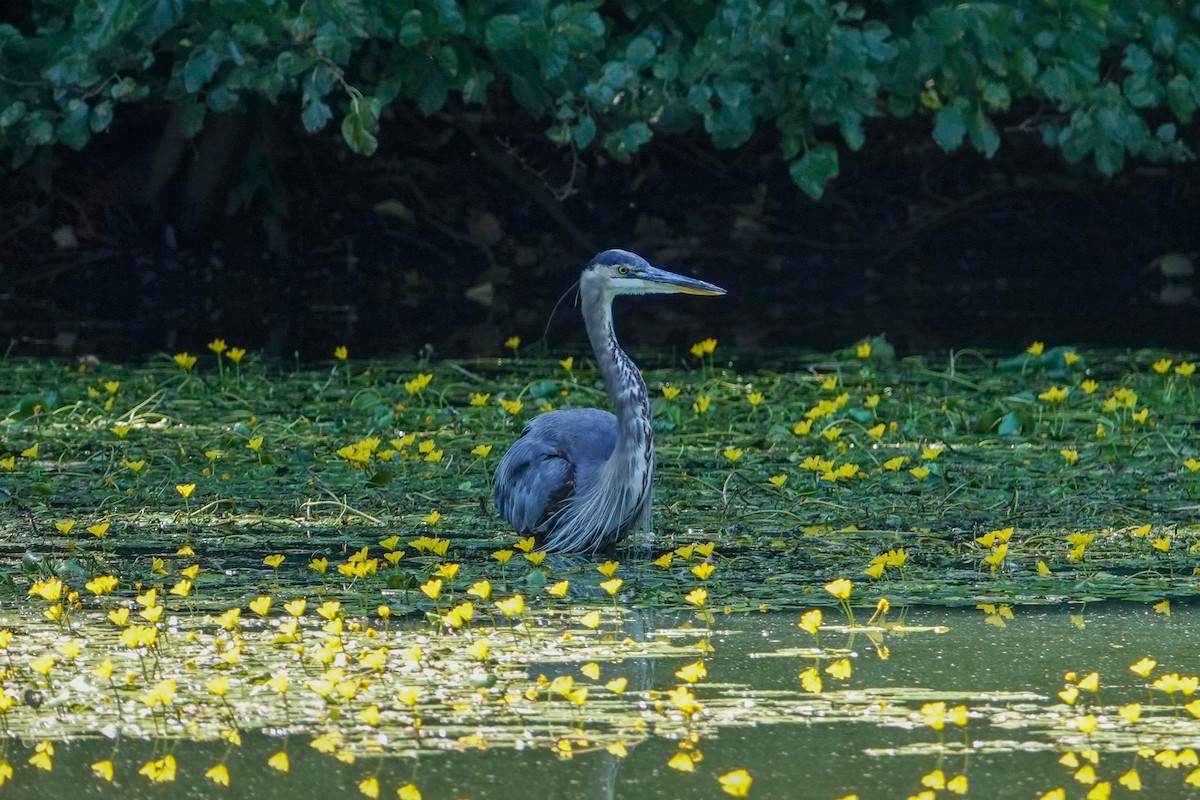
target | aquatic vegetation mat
x=209, y=550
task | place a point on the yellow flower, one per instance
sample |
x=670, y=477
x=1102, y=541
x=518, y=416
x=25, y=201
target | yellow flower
x=1055, y=394
x=236, y=354
x=920, y=473
x=513, y=407
x=481, y=450
x=1140, y=416
x=810, y=681
x=703, y=570
x=682, y=761
x=218, y=774
x=704, y=347
x=840, y=669
x=1089, y=386
x=103, y=769
x=218, y=346
x=1070, y=455
x=1035, y=349
x=778, y=480
x=732, y=453
x=697, y=597
x=803, y=428
x=319, y=564
x=273, y=561
x=1070, y=357
x=526, y=544
x=432, y=517
x=513, y=343
x=536, y=558
x=840, y=588
x=754, y=398
x=1185, y=368
x=670, y=392
x=503, y=556
x=810, y=622
x=1192, y=465
x=43, y=756
x=185, y=361
x=701, y=404
x=877, y=431
x=613, y=586
x=863, y=350
x=432, y=588
x=1162, y=366
x=590, y=620
x=260, y=605
x=894, y=464
x=512, y=606
x=31, y=452
x=692, y=672
x=102, y=585
x=341, y=352
x=478, y=399
x=559, y=589
x=737, y=783
x=255, y=444
x=1131, y=781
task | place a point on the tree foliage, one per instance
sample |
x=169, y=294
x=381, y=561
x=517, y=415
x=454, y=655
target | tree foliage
x=1097, y=79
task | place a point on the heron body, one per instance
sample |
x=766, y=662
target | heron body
x=580, y=480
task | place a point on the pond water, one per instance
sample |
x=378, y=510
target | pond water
x=219, y=579
x=848, y=740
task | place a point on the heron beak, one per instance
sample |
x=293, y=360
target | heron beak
x=662, y=281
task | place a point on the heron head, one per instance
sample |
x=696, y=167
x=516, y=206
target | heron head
x=618, y=272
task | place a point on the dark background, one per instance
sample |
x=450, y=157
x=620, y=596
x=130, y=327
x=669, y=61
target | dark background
x=289, y=243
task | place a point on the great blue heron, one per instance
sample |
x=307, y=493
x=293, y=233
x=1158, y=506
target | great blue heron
x=579, y=479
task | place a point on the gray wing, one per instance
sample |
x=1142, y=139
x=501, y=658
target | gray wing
x=557, y=452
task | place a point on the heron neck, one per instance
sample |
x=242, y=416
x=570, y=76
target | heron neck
x=621, y=376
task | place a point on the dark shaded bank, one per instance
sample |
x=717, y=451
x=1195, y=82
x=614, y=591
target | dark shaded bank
x=456, y=236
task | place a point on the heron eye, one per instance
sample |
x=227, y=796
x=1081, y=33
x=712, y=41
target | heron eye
x=622, y=270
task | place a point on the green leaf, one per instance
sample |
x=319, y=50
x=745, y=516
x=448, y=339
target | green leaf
x=192, y=118
x=102, y=115
x=996, y=96
x=359, y=124
x=221, y=99
x=40, y=131
x=250, y=34
x=316, y=115
x=584, y=132
x=431, y=90
x=983, y=134
x=451, y=17
x=815, y=169
x=949, y=126
x=74, y=70
x=625, y=142
x=641, y=52
x=380, y=478
x=1010, y=425
x=74, y=130
x=202, y=64
x=412, y=31
x=502, y=32
x=12, y=114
